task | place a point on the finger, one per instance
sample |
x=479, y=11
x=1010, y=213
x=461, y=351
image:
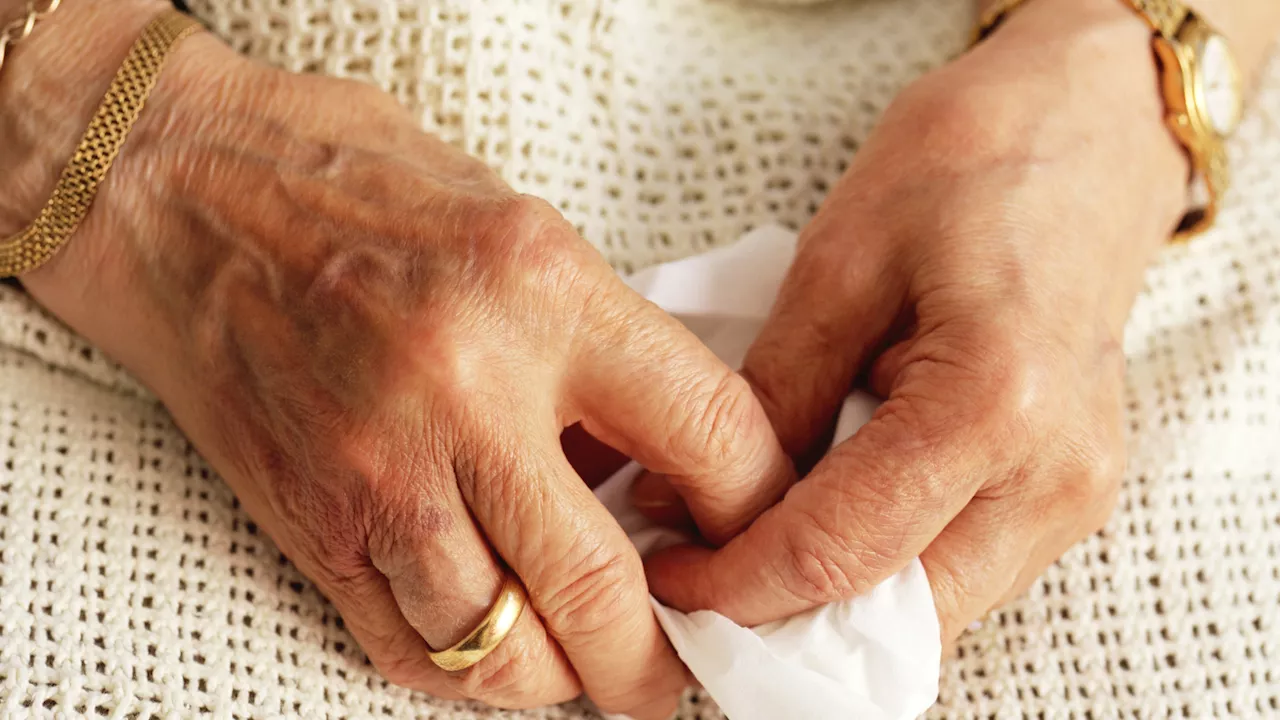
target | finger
x=445, y=579
x=834, y=308
x=583, y=575
x=868, y=508
x=998, y=546
x=976, y=562
x=1074, y=517
x=371, y=613
x=648, y=387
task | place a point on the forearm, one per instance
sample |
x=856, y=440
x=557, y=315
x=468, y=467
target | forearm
x=1252, y=26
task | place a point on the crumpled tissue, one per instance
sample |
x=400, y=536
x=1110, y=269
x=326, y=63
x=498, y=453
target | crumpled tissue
x=874, y=657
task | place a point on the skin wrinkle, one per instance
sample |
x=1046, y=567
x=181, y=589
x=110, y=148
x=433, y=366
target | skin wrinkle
x=589, y=602
x=411, y=511
x=716, y=408
x=499, y=484
x=818, y=577
x=885, y=519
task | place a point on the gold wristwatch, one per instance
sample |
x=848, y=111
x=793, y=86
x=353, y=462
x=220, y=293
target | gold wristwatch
x=1203, y=95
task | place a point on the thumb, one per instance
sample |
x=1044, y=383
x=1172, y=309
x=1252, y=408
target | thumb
x=835, y=307
x=870, y=506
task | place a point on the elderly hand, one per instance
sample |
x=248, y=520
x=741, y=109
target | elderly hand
x=976, y=265
x=378, y=344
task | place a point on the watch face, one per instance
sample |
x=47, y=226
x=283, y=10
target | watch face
x=1219, y=86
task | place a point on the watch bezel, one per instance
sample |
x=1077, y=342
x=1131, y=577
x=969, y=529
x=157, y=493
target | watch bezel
x=1188, y=50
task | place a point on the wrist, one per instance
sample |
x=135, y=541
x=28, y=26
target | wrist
x=103, y=280
x=1085, y=70
x=95, y=281
x=50, y=86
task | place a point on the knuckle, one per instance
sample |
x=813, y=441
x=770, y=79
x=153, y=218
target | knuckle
x=342, y=560
x=1007, y=382
x=911, y=436
x=398, y=529
x=542, y=255
x=523, y=225
x=1012, y=381
x=600, y=588
x=992, y=378
x=1103, y=470
x=493, y=477
x=821, y=563
x=820, y=579
x=1092, y=484
x=451, y=363
x=721, y=419
x=327, y=518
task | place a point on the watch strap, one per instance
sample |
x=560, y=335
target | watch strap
x=1165, y=17
x=1214, y=171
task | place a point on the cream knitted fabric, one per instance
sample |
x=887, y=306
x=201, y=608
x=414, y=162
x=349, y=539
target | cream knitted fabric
x=132, y=585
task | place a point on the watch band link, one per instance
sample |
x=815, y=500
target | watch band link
x=1215, y=170
x=1164, y=16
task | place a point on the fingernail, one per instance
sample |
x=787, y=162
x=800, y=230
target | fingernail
x=615, y=716
x=656, y=499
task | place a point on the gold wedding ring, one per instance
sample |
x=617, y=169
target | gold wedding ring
x=489, y=633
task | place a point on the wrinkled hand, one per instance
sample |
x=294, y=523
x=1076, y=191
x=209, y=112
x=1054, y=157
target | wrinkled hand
x=975, y=266
x=379, y=344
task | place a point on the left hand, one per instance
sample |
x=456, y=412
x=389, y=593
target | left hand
x=976, y=265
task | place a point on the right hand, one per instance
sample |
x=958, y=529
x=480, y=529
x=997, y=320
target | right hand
x=378, y=344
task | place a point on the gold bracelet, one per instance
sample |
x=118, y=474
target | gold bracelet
x=101, y=142
x=18, y=30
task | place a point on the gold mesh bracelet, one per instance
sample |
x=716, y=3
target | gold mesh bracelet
x=101, y=142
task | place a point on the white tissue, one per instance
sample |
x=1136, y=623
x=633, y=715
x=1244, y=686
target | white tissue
x=873, y=657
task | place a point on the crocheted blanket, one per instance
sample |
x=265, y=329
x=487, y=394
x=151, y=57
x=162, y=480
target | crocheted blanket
x=133, y=585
